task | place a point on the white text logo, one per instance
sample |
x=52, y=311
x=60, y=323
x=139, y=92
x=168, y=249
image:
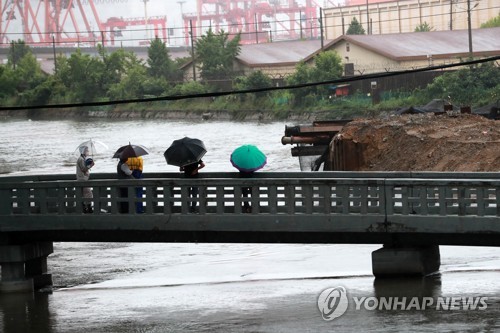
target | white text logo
x=333, y=303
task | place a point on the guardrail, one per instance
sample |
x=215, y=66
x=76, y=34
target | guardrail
x=328, y=193
x=307, y=207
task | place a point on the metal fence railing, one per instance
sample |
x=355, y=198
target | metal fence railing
x=327, y=193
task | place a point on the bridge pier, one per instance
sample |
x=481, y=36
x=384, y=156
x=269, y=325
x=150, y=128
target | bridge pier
x=24, y=267
x=400, y=261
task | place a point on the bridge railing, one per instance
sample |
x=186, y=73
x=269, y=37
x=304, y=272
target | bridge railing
x=328, y=193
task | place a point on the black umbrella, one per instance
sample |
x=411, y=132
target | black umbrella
x=185, y=151
x=124, y=152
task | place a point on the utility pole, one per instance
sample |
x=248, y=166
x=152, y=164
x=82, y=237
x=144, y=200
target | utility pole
x=146, y=18
x=180, y=4
x=54, y=51
x=469, y=28
x=451, y=14
x=321, y=25
x=192, y=49
x=256, y=31
x=367, y=19
x=300, y=22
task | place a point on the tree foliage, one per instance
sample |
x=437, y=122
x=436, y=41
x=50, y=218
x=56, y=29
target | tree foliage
x=121, y=75
x=466, y=86
x=159, y=61
x=492, y=23
x=17, y=50
x=8, y=82
x=255, y=80
x=81, y=75
x=355, y=28
x=423, y=27
x=216, y=53
x=327, y=66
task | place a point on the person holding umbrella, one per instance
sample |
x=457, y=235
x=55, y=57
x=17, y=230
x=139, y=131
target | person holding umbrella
x=247, y=159
x=83, y=165
x=124, y=171
x=191, y=171
x=136, y=165
x=186, y=153
x=85, y=161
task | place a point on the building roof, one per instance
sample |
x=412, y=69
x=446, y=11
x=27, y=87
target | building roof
x=278, y=53
x=418, y=45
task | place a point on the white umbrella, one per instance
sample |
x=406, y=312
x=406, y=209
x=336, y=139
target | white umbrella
x=94, y=146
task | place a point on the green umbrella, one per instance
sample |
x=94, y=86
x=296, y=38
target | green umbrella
x=248, y=158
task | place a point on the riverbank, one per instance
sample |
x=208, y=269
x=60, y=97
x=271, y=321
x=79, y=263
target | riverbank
x=220, y=115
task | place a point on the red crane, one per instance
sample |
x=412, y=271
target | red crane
x=64, y=22
x=257, y=20
x=115, y=25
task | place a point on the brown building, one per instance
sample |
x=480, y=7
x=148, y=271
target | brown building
x=393, y=52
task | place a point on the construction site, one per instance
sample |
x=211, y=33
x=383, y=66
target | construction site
x=450, y=141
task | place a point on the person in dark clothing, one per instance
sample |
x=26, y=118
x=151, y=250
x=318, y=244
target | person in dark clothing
x=191, y=171
x=246, y=192
x=123, y=172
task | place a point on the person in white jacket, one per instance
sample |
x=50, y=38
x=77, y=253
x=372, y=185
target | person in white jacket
x=83, y=166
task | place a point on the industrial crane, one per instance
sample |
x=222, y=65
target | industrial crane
x=253, y=19
x=66, y=22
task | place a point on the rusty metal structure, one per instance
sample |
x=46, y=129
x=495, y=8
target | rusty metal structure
x=258, y=21
x=66, y=23
x=312, y=141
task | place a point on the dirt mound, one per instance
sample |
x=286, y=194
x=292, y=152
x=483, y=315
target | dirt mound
x=425, y=142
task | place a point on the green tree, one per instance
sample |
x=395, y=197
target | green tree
x=81, y=75
x=355, y=28
x=303, y=74
x=133, y=80
x=27, y=77
x=255, y=80
x=8, y=83
x=466, y=87
x=327, y=66
x=17, y=51
x=113, y=67
x=159, y=61
x=189, y=88
x=216, y=54
x=492, y=23
x=423, y=27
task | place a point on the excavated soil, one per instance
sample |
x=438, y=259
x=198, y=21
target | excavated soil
x=426, y=142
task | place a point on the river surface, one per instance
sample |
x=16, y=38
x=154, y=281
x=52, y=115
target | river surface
x=127, y=287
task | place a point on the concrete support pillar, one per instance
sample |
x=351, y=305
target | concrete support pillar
x=400, y=261
x=37, y=269
x=24, y=267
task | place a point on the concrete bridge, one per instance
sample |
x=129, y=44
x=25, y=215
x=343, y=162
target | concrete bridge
x=411, y=214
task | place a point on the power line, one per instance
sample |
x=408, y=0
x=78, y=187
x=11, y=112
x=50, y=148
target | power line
x=246, y=91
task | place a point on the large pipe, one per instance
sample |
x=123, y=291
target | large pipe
x=323, y=139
